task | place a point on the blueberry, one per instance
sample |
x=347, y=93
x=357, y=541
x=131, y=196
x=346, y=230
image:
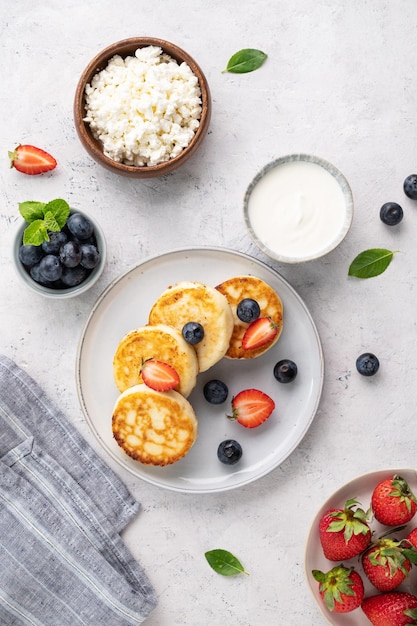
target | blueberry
x=391, y=213
x=80, y=226
x=367, y=364
x=70, y=254
x=56, y=240
x=215, y=391
x=35, y=274
x=50, y=268
x=248, y=310
x=229, y=452
x=410, y=186
x=30, y=255
x=73, y=276
x=285, y=371
x=193, y=332
x=90, y=256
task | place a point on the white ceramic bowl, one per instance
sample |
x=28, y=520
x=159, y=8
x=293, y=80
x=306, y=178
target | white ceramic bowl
x=68, y=292
x=298, y=208
x=360, y=489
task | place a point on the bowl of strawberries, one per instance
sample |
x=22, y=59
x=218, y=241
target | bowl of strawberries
x=361, y=552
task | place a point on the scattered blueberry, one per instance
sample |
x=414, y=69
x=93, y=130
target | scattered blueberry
x=367, y=364
x=248, y=310
x=193, y=332
x=391, y=213
x=90, y=256
x=56, y=240
x=410, y=186
x=215, y=391
x=229, y=452
x=80, y=226
x=50, y=268
x=70, y=254
x=285, y=371
x=30, y=255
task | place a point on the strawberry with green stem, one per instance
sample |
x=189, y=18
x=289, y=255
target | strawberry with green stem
x=387, y=562
x=395, y=608
x=251, y=408
x=31, y=160
x=341, y=588
x=344, y=533
x=393, y=502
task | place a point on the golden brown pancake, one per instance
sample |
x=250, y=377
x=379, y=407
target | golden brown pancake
x=189, y=301
x=160, y=342
x=236, y=289
x=154, y=427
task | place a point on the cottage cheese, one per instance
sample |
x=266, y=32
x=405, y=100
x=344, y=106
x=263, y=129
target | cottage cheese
x=145, y=109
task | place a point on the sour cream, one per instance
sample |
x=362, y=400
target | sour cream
x=299, y=209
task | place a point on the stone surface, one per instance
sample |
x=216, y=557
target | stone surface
x=338, y=83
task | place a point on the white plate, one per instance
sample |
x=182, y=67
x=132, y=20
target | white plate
x=125, y=305
x=360, y=489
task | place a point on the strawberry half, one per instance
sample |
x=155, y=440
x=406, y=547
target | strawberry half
x=341, y=588
x=31, y=160
x=251, y=407
x=396, y=608
x=393, y=502
x=259, y=333
x=344, y=533
x=158, y=375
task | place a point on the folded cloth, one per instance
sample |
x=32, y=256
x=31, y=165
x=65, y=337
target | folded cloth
x=63, y=562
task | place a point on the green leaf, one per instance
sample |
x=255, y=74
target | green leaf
x=224, y=563
x=35, y=234
x=31, y=210
x=245, y=60
x=43, y=218
x=60, y=211
x=50, y=222
x=370, y=263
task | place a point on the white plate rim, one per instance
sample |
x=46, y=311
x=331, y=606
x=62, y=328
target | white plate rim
x=245, y=258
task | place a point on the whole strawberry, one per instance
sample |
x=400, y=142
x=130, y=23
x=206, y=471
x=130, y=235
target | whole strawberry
x=412, y=537
x=391, y=609
x=344, y=533
x=393, y=502
x=385, y=564
x=341, y=588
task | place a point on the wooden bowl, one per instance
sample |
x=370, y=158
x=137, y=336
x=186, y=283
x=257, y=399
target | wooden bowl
x=124, y=48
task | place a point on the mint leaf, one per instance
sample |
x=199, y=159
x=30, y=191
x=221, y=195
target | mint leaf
x=31, y=210
x=50, y=222
x=60, y=211
x=224, y=563
x=35, y=234
x=43, y=218
x=370, y=263
x=245, y=60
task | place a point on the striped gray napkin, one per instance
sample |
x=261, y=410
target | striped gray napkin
x=62, y=560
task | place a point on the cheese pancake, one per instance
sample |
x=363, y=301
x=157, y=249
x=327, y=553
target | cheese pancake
x=160, y=342
x=237, y=289
x=154, y=427
x=189, y=301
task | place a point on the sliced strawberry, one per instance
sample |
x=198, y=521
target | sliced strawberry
x=159, y=376
x=259, y=333
x=251, y=407
x=31, y=160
